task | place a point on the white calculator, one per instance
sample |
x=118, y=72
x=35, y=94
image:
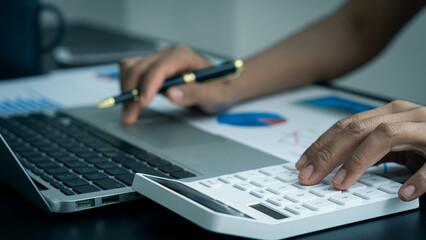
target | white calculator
x=269, y=203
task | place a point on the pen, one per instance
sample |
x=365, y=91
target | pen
x=198, y=76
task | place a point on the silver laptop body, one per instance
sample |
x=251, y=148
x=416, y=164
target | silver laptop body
x=201, y=153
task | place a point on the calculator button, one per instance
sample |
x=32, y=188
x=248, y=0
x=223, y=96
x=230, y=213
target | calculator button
x=297, y=209
x=391, y=188
x=298, y=185
x=229, y=179
x=247, y=175
x=244, y=186
x=273, y=170
x=212, y=183
x=319, y=204
x=374, y=181
x=356, y=186
x=260, y=193
x=280, y=188
x=263, y=181
x=278, y=200
x=290, y=166
x=345, y=199
x=287, y=176
x=369, y=193
x=325, y=191
x=299, y=196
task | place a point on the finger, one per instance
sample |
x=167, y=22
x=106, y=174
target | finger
x=411, y=159
x=131, y=72
x=209, y=97
x=415, y=186
x=178, y=61
x=326, y=137
x=135, y=68
x=387, y=137
x=125, y=66
x=345, y=142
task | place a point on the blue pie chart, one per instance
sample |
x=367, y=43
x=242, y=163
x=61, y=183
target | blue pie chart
x=251, y=119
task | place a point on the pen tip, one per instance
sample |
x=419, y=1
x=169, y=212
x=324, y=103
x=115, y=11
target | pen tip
x=109, y=102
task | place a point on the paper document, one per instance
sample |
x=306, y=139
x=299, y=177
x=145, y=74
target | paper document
x=62, y=88
x=283, y=125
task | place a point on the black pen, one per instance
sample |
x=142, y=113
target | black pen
x=199, y=76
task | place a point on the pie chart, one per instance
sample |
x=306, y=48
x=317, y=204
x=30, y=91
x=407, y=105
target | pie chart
x=251, y=119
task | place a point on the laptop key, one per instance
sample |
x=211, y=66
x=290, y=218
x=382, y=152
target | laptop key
x=58, y=154
x=67, y=192
x=76, y=164
x=126, y=178
x=66, y=176
x=57, y=185
x=48, y=179
x=46, y=165
x=159, y=163
x=95, y=176
x=171, y=169
x=147, y=157
x=54, y=171
x=86, y=189
x=67, y=159
x=95, y=160
x=116, y=171
x=38, y=159
x=38, y=172
x=76, y=182
x=133, y=164
x=108, y=183
x=106, y=165
x=31, y=154
x=84, y=170
x=184, y=174
x=87, y=154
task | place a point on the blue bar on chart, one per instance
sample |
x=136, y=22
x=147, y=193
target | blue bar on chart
x=20, y=104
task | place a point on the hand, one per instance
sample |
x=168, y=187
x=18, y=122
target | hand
x=394, y=132
x=149, y=74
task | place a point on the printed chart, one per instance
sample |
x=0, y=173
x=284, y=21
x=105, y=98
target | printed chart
x=336, y=102
x=26, y=102
x=251, y=119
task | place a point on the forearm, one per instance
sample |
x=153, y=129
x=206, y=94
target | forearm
x=325, y=50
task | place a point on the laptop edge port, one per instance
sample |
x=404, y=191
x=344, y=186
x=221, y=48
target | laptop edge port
x=109, y=200
x=79, y=205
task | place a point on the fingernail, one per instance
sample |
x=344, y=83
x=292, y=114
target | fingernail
x=340, y=176
x=176, y=93
x=306, y=173
x=408, y=191
x=302, y=161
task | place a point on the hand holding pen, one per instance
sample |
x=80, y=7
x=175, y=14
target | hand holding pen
x=149, y=76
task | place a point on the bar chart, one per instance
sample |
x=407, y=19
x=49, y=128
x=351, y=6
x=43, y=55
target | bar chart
x=26, y=102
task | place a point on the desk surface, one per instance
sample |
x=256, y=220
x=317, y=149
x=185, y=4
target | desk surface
x=144, y=219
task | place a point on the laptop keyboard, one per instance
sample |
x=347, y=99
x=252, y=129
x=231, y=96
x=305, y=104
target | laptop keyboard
x=76, y=158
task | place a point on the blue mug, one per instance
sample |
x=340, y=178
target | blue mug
x=20, y=37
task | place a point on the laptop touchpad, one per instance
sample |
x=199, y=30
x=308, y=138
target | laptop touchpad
x=166, y=132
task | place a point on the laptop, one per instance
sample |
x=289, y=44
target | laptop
x=81, y=158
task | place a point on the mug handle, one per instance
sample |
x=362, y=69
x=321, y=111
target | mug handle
x=61, y=27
